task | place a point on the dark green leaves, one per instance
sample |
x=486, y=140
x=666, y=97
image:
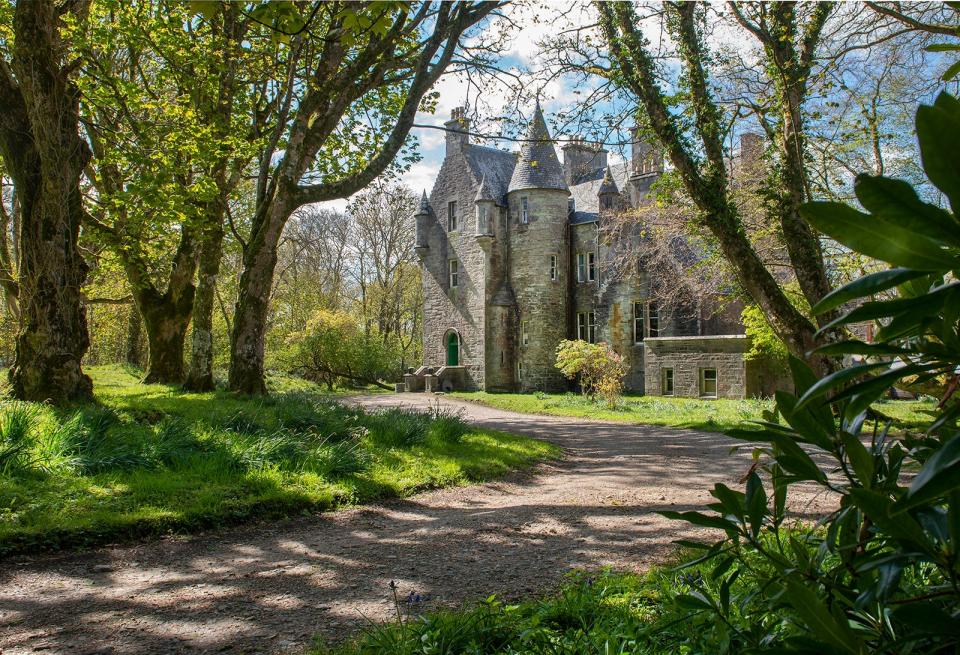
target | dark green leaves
x=938, y=130
x=896, y=244
x=866, y=286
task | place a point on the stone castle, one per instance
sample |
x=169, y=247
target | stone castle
x=513, y=262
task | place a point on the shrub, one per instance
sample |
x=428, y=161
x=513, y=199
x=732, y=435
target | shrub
x=882, y=574
x=334, y=348
x=596, y=365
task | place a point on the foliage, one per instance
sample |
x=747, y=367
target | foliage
x=765, y=345
x=150, y=459
x=658, y=613
x=882, y=574
x=334, y=348
x=597, y=367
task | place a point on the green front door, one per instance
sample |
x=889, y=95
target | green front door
x=453, y=350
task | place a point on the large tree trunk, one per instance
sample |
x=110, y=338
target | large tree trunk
x=166, y=319
x=41, y=144
x=250, y=318
x=134, y=349
x=200, y=375
x=166, y=316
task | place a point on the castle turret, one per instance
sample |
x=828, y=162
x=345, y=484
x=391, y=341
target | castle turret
x=421, y=218
x=540, y=265
x=485, y=207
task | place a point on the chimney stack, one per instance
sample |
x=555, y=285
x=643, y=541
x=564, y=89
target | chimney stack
x=581, y=158
x=457, y=131
x=645, y=157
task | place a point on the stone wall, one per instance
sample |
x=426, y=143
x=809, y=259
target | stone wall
x=688, y=355
x=460, y=309
x=541, y=302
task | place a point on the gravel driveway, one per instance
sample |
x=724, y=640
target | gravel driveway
x=268, y=588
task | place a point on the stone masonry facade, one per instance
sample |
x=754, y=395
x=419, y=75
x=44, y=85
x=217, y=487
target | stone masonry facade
x=514, y=262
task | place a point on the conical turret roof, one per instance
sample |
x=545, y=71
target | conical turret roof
x=608, y=185
x=424, y=208
x=538, y=166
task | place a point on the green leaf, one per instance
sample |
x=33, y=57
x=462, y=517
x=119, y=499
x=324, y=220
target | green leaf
x=938, y=131
x=803, y=379
x=866, y=286
x=876, y=238
x=695, y=601
x=819, y=619
x=703, y=520
x=756, y=500
x=206, y=8
x=951, y=72
x=855, y=347
x=805, y=422
x=926, y=618
x=902, y=527
x=939, y=476
x=731, y=501
x=942, y=47
x=836, y=379
x=896, y=202
x=860, y=459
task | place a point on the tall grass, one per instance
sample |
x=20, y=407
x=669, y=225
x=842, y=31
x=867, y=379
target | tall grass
x=150, y=458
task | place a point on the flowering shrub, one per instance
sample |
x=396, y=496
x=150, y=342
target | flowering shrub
x=598, y=368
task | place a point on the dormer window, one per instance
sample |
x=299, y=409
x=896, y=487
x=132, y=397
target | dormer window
x=524, y=210
x=571, y=205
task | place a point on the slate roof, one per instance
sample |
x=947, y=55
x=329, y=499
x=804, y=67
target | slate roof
x=607, y=184
x=491, y=167
x=484, y=192
x=584, y=194
x=424, y=208
x=538, y=166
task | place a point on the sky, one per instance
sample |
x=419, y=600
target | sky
x=533, y=22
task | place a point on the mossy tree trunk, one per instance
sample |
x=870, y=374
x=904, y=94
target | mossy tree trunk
x=45, y=156
x=705, y=178
x=200, y=374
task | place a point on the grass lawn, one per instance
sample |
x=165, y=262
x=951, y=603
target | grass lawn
x=149, y=459
x=711, y=415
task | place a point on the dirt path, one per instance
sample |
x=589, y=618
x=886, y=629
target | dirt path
x=269, y=588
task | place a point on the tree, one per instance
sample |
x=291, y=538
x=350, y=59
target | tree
x=334, y=348
x=384, y=264
x=45, y=156
x=355, y=105
x=789, y=49
x=159, y=102
x=597, y=367
x=879, y=574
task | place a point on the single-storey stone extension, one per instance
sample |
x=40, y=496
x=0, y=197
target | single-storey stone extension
x=514, y=262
